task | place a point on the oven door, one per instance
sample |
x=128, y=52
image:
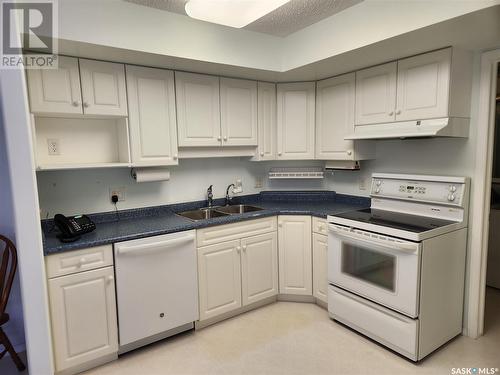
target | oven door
x=383, y=269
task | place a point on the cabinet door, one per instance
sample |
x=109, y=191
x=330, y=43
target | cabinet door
x=335, y=118
x=296, y=120
x=266, y=119
x=152, y=119
x=320, y=267
x=259, y=267
x=198, y=112
x=295, y=258
x=376, y=94
x=219, y=278
x=238, y=103
x=56, y=90
x=103, y=88
x=83, y=314
x=423, y=86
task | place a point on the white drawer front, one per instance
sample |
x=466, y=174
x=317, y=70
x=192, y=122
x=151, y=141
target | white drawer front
x=235, y=231
x=78, y=261
x=383, y=325
x=319, y=225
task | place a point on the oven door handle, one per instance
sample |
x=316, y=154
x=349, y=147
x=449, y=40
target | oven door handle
x=405, y=247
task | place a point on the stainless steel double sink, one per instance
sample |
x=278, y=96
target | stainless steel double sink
x=211, y=212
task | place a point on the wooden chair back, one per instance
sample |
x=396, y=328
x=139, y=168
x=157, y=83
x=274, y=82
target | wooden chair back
x=8, y=267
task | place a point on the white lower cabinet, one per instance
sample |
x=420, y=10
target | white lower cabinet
x=295, y=255
x=237, y=272
x=259, y=267
x=219, y=277
x=320, y=269
x=83, y=312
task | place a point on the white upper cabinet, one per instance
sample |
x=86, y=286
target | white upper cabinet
x=266, y=118
x=152, y=118
x=198, y=112
x=295, y=120
x=423, y=86
x=103, y=88
x=56, y=90
x=335, y=118
x=238, y=106
x=376, y=94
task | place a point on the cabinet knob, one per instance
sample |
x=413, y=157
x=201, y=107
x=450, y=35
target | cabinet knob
x=279, y=153
x=225, y=139
x=280, y=225
x=219, y=138
x=321, y=228
x=398, y=112
x=261, y=154
x=85, y=104
x=349, y=152
x=391, y=113
x=76, y=103
x=238, y=249
x=110, y=278
x=176, y=156
x=244, y=248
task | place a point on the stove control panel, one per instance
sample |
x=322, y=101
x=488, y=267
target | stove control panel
x=450, y=191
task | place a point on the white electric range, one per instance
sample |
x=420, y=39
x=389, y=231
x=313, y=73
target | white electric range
x=396, y=270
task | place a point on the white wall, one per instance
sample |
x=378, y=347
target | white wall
x=15, y=327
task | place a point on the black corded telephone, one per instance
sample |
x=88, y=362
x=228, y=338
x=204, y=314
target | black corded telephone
x=73, y=227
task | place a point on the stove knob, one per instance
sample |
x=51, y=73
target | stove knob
x=378, y=182
x=377, y=190
x=453, y=188
x=451, y=197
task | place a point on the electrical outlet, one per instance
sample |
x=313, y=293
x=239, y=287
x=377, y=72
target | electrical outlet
x=53, y=145
x=119, y=192
x=362, y=183
x=259, y=182
x=238, y=186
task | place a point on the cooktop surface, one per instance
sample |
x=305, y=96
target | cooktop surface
x=395, y=220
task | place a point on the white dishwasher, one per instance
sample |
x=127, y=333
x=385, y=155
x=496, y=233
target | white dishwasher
x=156, y=288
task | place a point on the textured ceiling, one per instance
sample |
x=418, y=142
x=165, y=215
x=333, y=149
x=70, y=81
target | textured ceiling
x=287, y=19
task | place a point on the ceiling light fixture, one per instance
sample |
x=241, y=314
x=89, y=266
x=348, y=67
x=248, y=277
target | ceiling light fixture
x=233, y=13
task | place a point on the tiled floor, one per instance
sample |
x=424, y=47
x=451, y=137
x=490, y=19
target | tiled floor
x=294, y=338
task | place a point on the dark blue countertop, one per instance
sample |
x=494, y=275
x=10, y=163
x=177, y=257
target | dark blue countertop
x=152, y=221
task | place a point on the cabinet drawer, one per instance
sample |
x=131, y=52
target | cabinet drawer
x=383, y=325
x=319, y=225
x=78, y=261
x=235, y=231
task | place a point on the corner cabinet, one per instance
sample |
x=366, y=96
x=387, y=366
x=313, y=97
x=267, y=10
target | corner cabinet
x=295, y=255
x=82, y=308
x=198, y=110
x=238, y=106
x=56, y=90
x=152, y=116
x=335, y=98
x=266, y=119
x=295, y=120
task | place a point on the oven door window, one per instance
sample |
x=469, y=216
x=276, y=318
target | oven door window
x=371, y=266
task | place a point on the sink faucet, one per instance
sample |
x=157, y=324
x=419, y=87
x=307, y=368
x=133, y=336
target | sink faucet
x=210, y=196
x=228, y=198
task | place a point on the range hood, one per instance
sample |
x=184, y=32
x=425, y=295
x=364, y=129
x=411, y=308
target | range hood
x=439, y=127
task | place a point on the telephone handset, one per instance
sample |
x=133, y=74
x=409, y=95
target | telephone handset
x=73, y=227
